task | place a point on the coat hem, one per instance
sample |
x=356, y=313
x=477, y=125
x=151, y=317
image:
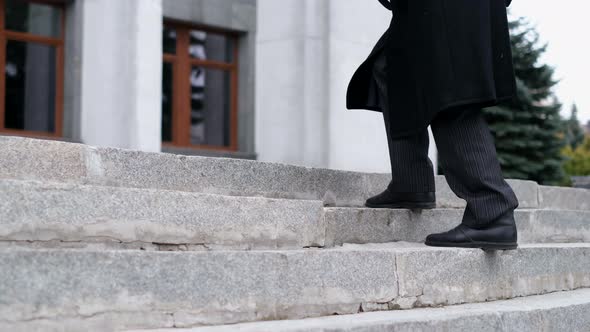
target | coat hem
x=483, y=101
x=479, y=102
x=476, y=102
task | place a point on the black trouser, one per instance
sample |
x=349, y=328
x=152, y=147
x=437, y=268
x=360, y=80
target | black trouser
x=467, y=155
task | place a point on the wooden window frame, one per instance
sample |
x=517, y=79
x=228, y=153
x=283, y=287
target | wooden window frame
x=58, y=43
x=181, y=98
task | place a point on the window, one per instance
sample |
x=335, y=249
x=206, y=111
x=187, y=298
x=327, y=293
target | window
x=31, y=68
x=199, y=88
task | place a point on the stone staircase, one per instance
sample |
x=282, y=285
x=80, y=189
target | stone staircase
x=96, y=239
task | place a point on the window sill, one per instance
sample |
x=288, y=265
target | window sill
x=35, y=135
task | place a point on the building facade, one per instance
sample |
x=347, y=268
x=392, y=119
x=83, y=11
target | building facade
x=261, y=80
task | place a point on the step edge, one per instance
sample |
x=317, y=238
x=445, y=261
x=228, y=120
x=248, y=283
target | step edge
x=532, y=304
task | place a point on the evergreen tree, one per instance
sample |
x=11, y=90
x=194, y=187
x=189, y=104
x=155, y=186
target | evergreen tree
x=528, y=129
x=574, y=134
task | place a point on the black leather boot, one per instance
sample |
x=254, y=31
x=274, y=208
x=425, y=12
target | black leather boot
x=392, y=200
x=498, y=235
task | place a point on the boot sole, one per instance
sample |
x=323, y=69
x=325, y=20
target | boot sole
x=475, y=245
x=404, y=205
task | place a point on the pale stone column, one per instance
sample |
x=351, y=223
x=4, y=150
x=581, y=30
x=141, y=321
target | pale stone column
x=307, y=51
x=122, y=73
x=357, y=138
x=291, y=77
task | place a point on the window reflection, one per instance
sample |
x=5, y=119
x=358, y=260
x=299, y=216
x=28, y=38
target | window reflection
x=210, y=46
x=210, y=106
x=34, y=18
x=30, y=86
x=210, y=71
x=169, y=41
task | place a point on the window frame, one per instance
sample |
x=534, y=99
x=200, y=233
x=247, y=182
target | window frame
x=59, y=44
x=181, y=95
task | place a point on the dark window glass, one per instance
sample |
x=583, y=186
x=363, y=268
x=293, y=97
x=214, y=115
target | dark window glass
x=209, y=86
x=210, y=106
x=34, y=18
x=30, y=86
x=167, y=102
x=169, y=41
x=210, y=46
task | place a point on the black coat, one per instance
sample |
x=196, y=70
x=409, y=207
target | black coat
x=440, y=54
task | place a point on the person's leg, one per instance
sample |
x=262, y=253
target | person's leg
x=472, y=169
x=411, y=168
x=412, y=183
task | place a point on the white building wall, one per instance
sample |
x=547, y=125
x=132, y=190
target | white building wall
x=121, y=74
x=357, y=138
x=291, y=82
x=307, y=52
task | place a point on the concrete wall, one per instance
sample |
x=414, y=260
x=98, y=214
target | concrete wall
x=121, y=73
x=73, y=72
x=291, y=90
x=357, y=138
x=307, y=53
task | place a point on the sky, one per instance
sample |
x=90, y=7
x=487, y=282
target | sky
x=565, y=26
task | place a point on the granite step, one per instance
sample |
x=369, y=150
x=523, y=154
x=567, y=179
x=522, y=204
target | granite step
x=66, y=290
x=555, y=312
x=37, y=214
x=360, y=225
x=65, y=215
x=33, y=159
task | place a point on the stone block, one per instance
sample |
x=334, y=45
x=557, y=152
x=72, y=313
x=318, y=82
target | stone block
x=44, y=288
x=357, y=225
x=553, y=226
x=223, y=287
x=446, y=277
x=564, y=311
x=350, y=225
x=32, y=159
x=33, y=211
x=564, y=198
